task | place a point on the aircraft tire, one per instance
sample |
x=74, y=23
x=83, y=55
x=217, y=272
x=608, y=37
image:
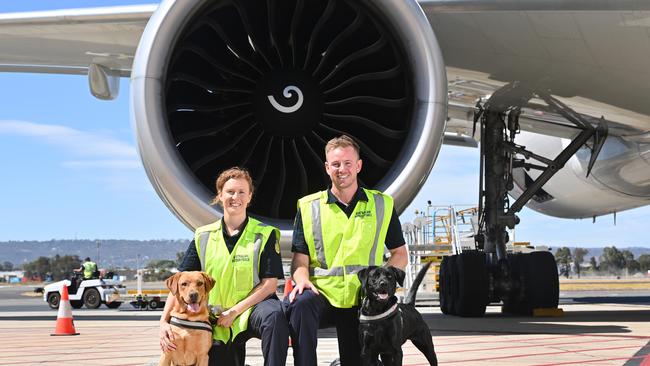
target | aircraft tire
x=542, y=284
x=472, y=284
x=444, y=285
x=513, y=303
x=452, y=285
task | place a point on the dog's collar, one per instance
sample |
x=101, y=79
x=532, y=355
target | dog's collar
x=190, y=324
x=369, y=318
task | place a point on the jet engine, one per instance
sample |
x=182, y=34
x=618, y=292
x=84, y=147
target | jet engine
x=265, y=84
x=620, y=179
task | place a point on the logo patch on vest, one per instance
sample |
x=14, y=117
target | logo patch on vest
x=240, y=258
x=362, y=214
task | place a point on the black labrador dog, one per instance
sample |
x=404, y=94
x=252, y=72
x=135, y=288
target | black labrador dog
x=385, y=324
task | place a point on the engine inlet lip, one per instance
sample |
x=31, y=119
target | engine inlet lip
x=188, y=199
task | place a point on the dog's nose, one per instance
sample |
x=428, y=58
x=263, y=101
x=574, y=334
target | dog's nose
x=194, y=296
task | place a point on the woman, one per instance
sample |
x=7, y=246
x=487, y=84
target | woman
x=243, y=256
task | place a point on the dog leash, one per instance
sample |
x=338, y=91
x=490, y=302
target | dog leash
x=190, y=324
x=369, y=318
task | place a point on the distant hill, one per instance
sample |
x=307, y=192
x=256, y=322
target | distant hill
x=124, y=253
x=112, y=253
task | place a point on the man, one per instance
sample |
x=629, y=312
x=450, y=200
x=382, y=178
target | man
x=88, y=267
x=336, y=233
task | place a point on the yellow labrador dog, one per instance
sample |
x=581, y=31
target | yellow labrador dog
x=189, y=319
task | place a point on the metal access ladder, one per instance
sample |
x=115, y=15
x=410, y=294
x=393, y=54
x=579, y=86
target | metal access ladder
x=438, y=232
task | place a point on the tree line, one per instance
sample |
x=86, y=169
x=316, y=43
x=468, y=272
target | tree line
x=61, y=267
x=612, y=261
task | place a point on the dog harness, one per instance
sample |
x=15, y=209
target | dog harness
x=190, y=324
x=370, y=318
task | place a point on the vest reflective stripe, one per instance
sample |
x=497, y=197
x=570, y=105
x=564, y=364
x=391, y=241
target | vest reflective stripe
x=318, y=233
x=256, y=258
x=341, y=245
x=203, y=242
x=379, y=209
x=335, y=271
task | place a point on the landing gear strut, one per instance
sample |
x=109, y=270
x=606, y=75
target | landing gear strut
x=472, y=279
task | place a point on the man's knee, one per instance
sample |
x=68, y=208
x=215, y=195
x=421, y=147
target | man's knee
x=307, y=301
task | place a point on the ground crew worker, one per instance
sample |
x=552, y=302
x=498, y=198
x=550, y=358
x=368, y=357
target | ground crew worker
x=88, y=268
x=336, y=233
x=243, y=256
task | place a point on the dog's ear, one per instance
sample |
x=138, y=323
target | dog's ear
x=399, y=275
x=172, y=283
x=363, y=275
x=209, y=282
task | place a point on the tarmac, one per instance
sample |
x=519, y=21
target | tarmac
x=607, y=327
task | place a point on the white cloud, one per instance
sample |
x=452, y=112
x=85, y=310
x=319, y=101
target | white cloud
x=78, y=142
x=109, y=164
x=97, y=156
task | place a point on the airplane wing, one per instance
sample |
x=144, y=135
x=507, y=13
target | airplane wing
x=69, y=41
x=592, y=55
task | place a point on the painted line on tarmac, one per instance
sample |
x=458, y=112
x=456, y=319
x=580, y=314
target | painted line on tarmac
x=633, y=358
x=531, y=345
x=541, y=354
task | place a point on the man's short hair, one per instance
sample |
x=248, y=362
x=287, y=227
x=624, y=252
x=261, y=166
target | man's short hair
x=341, y=141
x=87, y=259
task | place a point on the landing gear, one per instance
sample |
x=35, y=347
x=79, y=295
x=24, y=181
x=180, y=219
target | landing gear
x=472, y=279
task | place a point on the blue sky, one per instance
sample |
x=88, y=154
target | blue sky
x=70, y=169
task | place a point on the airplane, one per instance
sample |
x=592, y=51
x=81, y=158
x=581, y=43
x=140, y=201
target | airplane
x=554, y=90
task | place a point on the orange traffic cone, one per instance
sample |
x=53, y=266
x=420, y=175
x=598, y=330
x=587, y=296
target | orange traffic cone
x=64, y=322
x=288, y=287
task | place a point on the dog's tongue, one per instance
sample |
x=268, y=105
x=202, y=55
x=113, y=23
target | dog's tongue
x=382, y=296
x=193, y=307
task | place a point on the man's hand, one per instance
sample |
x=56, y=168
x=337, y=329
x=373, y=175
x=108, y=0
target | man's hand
x=300, y=287
x=300, y=274
x=227, y=318
x=166, y=337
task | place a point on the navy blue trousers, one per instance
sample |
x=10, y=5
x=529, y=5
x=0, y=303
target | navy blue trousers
x=307, y=314
x=267, y=322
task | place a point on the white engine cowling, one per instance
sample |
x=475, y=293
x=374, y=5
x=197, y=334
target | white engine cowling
x=221, y=83
x=620, y=178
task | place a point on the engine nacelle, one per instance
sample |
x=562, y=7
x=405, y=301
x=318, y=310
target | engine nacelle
x=620, y=179
x=264, y=85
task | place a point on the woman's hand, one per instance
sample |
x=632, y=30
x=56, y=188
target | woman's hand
x=227, y=317
x=166, y=337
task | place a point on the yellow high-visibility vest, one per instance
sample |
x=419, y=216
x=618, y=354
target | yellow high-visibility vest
x=89, y=269
x=236, y=273
x=339, y=246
